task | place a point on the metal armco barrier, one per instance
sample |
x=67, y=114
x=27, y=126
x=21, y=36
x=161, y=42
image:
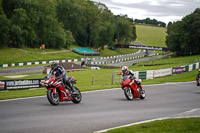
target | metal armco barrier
x=19, y=84
x=102, y=66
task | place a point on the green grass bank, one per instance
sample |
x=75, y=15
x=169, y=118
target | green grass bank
x=182, y=125
x=151, y=36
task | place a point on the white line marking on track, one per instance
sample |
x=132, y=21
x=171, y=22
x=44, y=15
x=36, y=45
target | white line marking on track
x=131, y=124
x=20, y=98
x=146, y=121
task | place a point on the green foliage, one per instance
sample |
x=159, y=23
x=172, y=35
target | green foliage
x=4, y=30
x=149, y=21
x=183, y=36
x=19, y=29
x=124, y=30
x=59, y=24
x=1, y=10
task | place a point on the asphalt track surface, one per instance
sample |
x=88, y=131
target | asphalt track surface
x=98, y=110
x=129, y=63
x=21, y=70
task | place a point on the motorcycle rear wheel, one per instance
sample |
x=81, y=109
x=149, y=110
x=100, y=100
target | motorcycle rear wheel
x=78, y=97
x=128, y=93
x=54, y=99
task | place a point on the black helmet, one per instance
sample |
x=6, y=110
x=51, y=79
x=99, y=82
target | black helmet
x=53, y=65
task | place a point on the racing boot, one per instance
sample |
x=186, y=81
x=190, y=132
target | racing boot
x=66, y=88
x=141, y=89
x=139, y=85
x=72, y=88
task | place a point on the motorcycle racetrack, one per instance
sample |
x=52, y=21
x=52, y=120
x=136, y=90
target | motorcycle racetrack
x=98, y=110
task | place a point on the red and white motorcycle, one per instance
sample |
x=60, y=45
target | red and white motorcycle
x=57, y=93
x=131, y=89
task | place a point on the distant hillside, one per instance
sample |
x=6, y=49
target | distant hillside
x=151, y=36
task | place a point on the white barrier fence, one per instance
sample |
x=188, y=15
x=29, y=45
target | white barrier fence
x=162, y=72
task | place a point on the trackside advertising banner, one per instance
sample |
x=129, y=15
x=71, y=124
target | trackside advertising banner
x=141, y=47
x=162, y=72
x=178, y=70
x=20, y=84
x=2, y=85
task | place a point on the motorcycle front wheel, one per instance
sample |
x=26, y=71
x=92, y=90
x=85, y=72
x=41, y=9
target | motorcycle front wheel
x=128, y=93
x=54, y=99
x=78, y=97
x=142, y=94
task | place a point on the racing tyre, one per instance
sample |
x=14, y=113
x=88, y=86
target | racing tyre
x=143, y=94
x=128, y=93
x=54, y=99
x=78, y=97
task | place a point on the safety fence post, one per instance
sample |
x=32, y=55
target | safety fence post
x=92, y=79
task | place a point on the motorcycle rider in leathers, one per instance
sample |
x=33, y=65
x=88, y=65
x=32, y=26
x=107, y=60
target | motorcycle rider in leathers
x=125, y=72
x=60, y=72
x=197, y=78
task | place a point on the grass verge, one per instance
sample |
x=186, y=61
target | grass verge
x=168, y=62
x=151, y=36
x=182, y=125
x=17, y=55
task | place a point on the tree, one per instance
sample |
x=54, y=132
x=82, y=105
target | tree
x=19, y=33
x=105, y=36
x=134, y=32
x=149, y=21
x=124, y=29
x=1, y=9
x=169, y=24
x=73, y=15
x=60, y=23
x=184, y=36
x=69, y=39
x=4, y=30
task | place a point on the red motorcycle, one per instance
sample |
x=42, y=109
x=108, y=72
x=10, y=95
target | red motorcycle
x=57, y=93
x=131, y=89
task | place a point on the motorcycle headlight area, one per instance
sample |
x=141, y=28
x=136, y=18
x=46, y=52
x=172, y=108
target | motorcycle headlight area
x=47, y=82
x=51, y=83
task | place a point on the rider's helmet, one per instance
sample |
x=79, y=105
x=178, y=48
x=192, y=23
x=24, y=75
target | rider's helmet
x=124, y=69
x=53, y=65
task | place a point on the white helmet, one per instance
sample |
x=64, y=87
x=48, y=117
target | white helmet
x=124, y=69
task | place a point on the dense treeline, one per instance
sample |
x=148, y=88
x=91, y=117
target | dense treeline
x=184, y=36
x=149, y=21
x=60, y=23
